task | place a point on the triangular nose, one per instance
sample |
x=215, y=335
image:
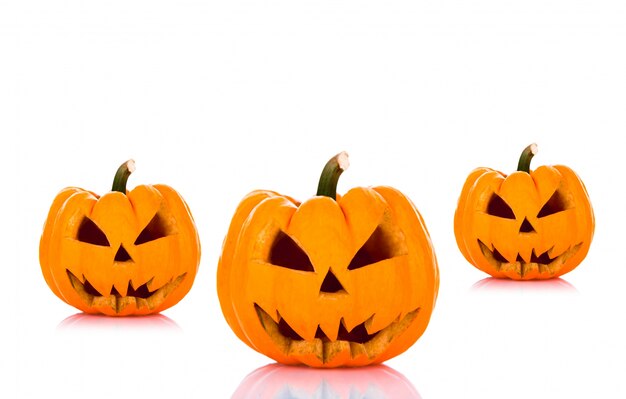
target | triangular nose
x=122, y=255
x=331, y=284
x=526, y=227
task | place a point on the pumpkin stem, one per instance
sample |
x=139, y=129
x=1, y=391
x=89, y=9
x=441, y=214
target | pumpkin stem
x=524, y=160
x=330, y=175
x=121, y=177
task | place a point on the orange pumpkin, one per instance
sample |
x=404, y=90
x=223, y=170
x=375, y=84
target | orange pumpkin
x=528, y=225
x=125, y=253
x=334, y=281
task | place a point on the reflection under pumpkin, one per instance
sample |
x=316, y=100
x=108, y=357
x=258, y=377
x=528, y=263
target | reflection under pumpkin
x=99, y=322
x=277, y=381
x=491, y=284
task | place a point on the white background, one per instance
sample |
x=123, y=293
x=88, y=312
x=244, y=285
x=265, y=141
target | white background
x=219, y=98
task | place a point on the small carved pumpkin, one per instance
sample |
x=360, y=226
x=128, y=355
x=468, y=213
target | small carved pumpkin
x=334, y=281
x=125, y=253
x=528, y=225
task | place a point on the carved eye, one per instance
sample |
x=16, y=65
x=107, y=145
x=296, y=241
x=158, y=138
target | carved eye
x=555, y=204
x=286, y=253
x=157, y=228
x=497, y=207
x=378, y=247
x=90, y=233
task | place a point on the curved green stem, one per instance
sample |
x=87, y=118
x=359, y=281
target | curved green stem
x=527, y=155
x=330, y=175
x=122, y=175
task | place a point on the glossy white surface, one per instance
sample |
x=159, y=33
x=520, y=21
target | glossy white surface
x=219, y=98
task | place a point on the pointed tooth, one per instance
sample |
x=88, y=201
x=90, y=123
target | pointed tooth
x=122, y=289
x=331, y=329
x=350, y=321
x=157, y=282
x=553, y=254
x=152, y=287
x=368, y=323
x=104, y=288
x=137, y=282
x=304, y=329
x=138, y=275
x=376, y=323
x=559, y=249
x=548, y=252
x=526, y=254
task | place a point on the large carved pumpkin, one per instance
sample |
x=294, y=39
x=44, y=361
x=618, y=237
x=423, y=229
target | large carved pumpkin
x=334, y=281
x=125, y=253
x=528, y=225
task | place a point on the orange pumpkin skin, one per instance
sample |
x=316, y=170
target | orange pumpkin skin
x=146, y=262
x=295, y=316
x=543, y=230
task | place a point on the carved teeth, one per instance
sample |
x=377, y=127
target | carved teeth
x=141, y=297
x=542, y=263
x=356, y=342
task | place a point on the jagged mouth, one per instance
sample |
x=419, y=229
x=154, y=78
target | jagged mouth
x=356, y=341
x=140, y=296
x=542, y=263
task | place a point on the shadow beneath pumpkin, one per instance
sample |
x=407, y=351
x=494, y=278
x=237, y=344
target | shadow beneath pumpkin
x=277, y=381
x=84, y=321
x=491, y=284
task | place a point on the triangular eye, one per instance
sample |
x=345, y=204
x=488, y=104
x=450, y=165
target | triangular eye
x=378, y=247
x=555, y=204
x=286, y=253
x=497, y=207
x=157, y=228
x=90, y=233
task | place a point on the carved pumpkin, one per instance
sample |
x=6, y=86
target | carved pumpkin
x=278, y=381
x=125, y=253
x=528, y=225
x=334, y=281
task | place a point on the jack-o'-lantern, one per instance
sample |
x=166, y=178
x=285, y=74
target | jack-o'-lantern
x=528, y=225
x=125, y=253
x=335, y=281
